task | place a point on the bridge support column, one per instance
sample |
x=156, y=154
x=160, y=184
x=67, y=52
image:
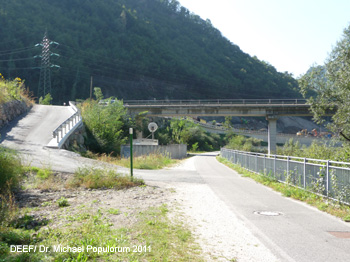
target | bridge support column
x=272, y=133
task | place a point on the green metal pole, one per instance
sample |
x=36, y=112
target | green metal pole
x=131, y=154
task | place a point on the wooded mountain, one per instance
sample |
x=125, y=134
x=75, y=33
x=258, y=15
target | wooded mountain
x=134, y=49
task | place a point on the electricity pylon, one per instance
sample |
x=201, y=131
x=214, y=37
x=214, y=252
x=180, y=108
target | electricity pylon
x=45, y=70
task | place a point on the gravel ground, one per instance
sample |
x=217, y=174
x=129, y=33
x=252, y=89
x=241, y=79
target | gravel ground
x=220, y=233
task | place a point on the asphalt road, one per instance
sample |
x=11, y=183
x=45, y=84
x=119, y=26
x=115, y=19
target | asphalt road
x=299, y=233
x=292, y=230
x=29, y=134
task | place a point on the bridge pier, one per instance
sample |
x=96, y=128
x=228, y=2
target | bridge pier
x=272, y=134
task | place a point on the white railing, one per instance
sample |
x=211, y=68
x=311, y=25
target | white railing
x=64, y=130
x=325, y=177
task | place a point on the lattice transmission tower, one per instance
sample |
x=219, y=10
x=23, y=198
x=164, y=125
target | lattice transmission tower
x=45, y=70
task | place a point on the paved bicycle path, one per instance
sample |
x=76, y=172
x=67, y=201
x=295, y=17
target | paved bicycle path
x=299, y=233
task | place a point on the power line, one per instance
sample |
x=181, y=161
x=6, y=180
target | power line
x=16, y=51
x=17, y=59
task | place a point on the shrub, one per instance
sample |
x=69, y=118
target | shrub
x=14, y=90
x=184, y=131
x=10, y=169
x=105, y=125
x=47, y=99
x=238, y=142
x=62, y=202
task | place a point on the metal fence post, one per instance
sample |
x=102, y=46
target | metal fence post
x=131, y=153
x=304, y=172
x=327, y=176
x=287, y=166
x=274, y=167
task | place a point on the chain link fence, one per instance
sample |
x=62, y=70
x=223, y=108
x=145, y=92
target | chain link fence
x=324, y=177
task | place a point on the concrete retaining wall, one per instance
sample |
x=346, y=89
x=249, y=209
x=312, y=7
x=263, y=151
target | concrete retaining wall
x=174, y=151
x=76, y=140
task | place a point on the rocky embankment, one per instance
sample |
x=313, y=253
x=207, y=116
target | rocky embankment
x=11, y=110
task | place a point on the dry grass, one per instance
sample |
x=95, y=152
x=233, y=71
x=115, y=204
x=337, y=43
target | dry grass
x=101, y=178
x=8, y=207
x=151, y=161
x=87, y=177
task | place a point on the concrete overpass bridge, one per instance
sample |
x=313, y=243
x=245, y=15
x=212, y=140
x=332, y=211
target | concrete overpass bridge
x=271, y=109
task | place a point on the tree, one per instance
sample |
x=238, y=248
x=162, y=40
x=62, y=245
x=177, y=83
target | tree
x=98, y=93
x=329, y=87
x=105, y=125
x=227, y=123
x=47, y=100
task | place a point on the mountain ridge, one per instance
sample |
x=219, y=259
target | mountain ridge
x=134, y=49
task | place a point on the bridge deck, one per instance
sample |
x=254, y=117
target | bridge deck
x=221, y=107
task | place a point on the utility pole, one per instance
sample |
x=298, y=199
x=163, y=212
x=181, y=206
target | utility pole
x=45, y=70
x=131, y=153
x=91, y=88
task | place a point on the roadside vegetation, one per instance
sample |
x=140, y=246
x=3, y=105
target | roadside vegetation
x=332, y=207
x=10, y=169
x=151, y=161
x=85, y=177
x=185, y=131
x=106, y=125
x=242, y=143
x=154, y=237
x=14, y=90
x=317, y=150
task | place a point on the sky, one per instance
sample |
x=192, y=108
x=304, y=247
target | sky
x=291, y=35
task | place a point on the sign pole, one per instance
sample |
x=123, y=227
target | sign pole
x=131, y=154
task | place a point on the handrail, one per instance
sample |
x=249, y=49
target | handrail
x=67, y=126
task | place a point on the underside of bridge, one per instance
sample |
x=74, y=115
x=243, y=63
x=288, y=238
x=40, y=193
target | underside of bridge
x=271, y=111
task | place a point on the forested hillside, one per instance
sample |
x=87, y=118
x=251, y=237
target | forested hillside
x=134, y=49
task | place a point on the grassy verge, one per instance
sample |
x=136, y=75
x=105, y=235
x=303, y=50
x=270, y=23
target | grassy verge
x=10, y=169
x=331, y=207
x=89, y=236
x=86, y=177
x=64, y=230
x=152, y=161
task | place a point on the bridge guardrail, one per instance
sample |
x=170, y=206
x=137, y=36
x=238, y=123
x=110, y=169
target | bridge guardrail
x=62, y=132
x=327, y=178
x=218, y=101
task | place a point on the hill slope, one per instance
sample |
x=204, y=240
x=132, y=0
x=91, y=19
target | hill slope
x=134, y=49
